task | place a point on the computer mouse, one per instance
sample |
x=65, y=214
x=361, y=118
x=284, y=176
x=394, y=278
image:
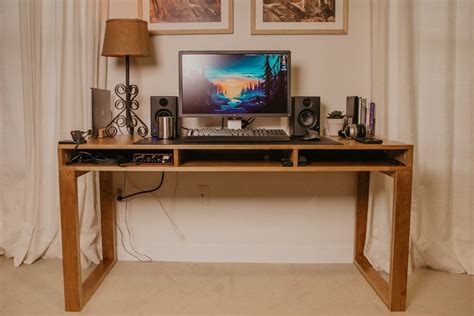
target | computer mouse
x=311, y=135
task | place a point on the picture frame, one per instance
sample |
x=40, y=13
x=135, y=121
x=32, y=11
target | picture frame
x=318, y=17
x=213, y=20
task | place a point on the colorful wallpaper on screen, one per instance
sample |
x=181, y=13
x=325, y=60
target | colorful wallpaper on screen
x=235, y=84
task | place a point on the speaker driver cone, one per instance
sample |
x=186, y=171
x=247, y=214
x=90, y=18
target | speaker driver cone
x=307, y=118
x=162, y=113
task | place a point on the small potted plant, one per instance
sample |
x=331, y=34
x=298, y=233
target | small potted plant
x=335, y=122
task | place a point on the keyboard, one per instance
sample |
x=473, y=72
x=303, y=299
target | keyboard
x=210, y=134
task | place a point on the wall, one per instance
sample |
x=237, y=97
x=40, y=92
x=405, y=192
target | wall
x=266, y=217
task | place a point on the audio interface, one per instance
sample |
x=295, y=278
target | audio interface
x=153, y=158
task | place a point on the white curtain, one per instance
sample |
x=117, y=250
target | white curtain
x=422, y=83
x=50, y=57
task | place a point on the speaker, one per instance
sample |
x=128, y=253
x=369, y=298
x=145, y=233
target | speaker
x=352, y=110
x=163, y=106
x=305, y=113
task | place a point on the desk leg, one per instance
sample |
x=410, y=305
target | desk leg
x=400, y=240
x=107, y=219
x=70, y=240
x=362, y=208
x=76, y=293
x=107, y=211
x=393, y=293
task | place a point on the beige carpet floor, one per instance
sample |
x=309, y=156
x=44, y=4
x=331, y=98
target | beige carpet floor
x=207, y=288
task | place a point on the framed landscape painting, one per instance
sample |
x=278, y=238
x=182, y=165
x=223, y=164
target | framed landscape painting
x=300, y=16
x=187, y=16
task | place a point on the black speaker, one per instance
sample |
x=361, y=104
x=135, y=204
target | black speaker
x=305, y=113
x=163, y=106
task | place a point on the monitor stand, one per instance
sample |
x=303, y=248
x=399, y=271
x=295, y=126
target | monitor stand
x=234, y=123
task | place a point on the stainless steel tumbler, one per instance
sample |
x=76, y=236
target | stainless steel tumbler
x=166, y=127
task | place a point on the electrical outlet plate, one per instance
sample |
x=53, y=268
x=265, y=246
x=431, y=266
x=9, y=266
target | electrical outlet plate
x=203, y=191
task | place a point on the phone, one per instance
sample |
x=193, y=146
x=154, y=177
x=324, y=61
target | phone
x=368, y=140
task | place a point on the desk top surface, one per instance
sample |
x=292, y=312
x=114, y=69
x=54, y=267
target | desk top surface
x=330, y=143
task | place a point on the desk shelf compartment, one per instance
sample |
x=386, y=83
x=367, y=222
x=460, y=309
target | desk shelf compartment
x=332, y=159
x=118, y=158
x=232, y=159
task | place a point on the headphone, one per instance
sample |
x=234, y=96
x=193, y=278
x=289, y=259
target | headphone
x=353, y=131
x=79, y=137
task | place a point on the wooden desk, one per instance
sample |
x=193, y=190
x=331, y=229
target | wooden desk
x=390, y=158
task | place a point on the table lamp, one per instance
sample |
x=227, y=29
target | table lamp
x=126, y=38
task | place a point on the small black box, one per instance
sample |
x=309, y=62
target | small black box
x=352, y=110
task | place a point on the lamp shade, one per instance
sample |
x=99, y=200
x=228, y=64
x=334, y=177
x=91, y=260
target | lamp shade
x=126, y=37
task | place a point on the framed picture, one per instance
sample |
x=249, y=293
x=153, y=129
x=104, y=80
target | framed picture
x=187, y=16
x=299, y=16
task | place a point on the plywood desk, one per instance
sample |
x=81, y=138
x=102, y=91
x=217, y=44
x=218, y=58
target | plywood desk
x=390, y=158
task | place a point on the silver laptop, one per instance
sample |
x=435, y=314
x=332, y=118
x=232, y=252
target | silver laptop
x=101, y=109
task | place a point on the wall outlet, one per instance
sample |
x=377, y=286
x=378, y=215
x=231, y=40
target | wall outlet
x=203, y=191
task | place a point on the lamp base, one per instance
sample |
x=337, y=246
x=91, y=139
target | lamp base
x=126, y=118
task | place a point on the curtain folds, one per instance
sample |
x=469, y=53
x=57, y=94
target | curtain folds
x=422, y=83
x=53, y=62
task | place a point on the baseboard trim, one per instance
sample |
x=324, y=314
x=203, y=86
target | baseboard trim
x=242, y=253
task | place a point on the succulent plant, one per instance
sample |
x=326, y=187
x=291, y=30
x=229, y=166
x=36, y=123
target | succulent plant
x=336, y=115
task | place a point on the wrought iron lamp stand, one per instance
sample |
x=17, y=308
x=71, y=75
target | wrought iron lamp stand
x=126, y=118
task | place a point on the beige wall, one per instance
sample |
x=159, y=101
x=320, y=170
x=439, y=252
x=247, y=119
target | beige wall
x=265, y=217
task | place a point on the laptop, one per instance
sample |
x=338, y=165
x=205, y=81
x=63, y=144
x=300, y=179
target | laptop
x=101, y=111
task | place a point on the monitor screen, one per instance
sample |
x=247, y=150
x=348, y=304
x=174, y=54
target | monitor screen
x=251, y=83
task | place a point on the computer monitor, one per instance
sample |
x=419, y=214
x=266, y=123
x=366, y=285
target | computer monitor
x=234, y=83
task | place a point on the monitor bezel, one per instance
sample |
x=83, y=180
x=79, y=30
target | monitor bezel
x=232, y=52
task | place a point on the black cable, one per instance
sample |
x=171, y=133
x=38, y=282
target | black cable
x=99, y=159
x=79, y=156
x=120, y=198
x=137, y=254
x=78, y=142
x=74, y=153
x=246, y=123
